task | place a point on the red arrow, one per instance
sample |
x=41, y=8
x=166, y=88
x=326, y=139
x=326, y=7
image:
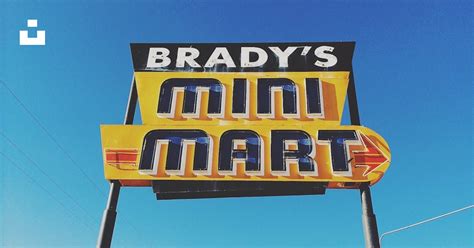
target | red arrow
x=372, y=157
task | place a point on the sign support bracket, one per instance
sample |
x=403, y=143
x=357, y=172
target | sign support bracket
x=110, y=214
x=369, y=221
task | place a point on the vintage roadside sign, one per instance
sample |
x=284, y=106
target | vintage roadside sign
x=243, y=119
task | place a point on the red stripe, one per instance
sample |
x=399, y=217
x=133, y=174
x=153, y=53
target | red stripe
x=120, y=157
x=122, y=150
x=135, y=183
x=121, y=161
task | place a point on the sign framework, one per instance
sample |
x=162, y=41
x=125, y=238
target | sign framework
x=168, y=188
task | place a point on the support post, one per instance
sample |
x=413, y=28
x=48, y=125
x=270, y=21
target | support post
x=369, y=221
x=110, y=214
x=352, y=101
x=132, y=104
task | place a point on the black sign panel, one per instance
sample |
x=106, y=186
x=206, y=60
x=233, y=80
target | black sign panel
x=168, y=190
x=243, y=57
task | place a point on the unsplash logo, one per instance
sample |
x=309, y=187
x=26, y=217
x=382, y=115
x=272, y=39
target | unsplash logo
x=38, y=40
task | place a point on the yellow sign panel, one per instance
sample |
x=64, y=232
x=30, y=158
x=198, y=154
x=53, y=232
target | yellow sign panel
x=235, y=98
x=338, y=155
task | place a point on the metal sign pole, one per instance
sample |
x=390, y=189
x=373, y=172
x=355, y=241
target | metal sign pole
x=110, y=214
x=108, y=220
x=369, y=221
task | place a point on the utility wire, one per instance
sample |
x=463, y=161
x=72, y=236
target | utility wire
x=69, y=212
x=45, y=174
x=38, y=122
x=425, y=221
x=44, y=189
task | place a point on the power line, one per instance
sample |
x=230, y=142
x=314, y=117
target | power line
x=425, y=221
x=70, y=212
x=43, y=188
x=38, y=122
x=45, y=174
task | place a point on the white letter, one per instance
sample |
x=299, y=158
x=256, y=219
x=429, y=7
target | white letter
x=187, y=55
x=158, y=53
x=245, y=57
x=283, y=55
x=214, y=58
x=320, y=53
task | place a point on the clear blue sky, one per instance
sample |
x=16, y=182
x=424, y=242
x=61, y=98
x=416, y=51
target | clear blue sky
x=414, y=73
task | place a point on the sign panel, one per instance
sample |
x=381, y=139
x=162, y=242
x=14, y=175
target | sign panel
x=253, y=98
x=242, y=119
x=339, y=156
x=243, y=57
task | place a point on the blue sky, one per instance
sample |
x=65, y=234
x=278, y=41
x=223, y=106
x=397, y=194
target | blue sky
x=414, y=73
